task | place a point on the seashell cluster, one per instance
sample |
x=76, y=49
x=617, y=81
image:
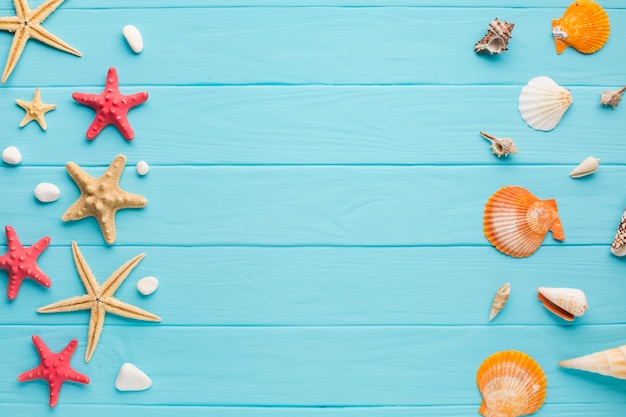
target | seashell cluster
x=584, y=26
x=500, y=146
x=610, y=362
x=586, y=167
x=566, y=303
x=612, y=97
x=618, y=247
x=499, y=300
x=542, y=103
x=516, y=222
x=511, y=384
x=496, y=39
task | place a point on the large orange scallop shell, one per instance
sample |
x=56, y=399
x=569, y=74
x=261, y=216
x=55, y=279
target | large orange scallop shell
x=516, y=222
x=584, y=26
x=511, y=383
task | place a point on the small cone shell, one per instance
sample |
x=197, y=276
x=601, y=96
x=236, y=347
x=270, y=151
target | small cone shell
x=566, y=303
x=496, y=39
x=542, y=103
x=500, y=146
x=500, y=299
x=618, y=248
x=516, y=222
x=612, y=97
x=511, y=383
x=586, y=167
x=584, y=26
x=610, y=362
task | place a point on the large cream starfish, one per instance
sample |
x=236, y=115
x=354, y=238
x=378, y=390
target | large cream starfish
x=26, y=24
x=35, y=110
x=99, y=299
x=101, y=197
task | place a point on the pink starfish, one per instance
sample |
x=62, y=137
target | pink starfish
x=111, y=107
x=54, y=368
x=21, y=262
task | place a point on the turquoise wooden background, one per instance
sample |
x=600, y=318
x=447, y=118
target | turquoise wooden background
x=315, y=207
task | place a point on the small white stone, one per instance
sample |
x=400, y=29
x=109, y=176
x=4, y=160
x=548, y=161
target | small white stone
x=147, y=285
x=142, y=167
x=133, y=37
x=131, y=378
x=47, y=192
x=11, y=155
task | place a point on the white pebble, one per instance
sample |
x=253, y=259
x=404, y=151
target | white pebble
x=142, y=167
x=131, y=378
x=47, y=192
x=147, y=285
x=11, y=155
x=133, y=37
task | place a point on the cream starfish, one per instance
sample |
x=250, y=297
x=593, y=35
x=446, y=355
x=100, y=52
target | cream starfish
x=26, y=24
x=99, y=299
x=101, y=197
x=35, y=110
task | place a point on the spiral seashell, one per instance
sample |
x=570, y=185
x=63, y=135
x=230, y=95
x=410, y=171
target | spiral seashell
x=566, y=303
x=618, y=248
x=496, y=39
x=500, y=299
x=511, y=383
x=610, y=362
x=584, y=26
x=542, y=103
x=586, y=167
x=500, y=146
x=612, y=97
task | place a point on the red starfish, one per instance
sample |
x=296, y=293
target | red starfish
x=21, y=262
x=111, y=107
x=54, y=368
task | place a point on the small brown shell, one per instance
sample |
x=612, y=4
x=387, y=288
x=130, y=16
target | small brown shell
x=618, y=248
x=502, y=295
x=500, y=146
x=496, y=39
x=612, y=97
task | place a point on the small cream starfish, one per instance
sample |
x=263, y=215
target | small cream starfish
x=26, y=24
x=99, y=299
x=35, y=110
x=101, y=197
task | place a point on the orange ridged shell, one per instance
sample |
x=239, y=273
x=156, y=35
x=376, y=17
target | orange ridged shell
x=516, y=222
x=511, y=383
x=584, y=26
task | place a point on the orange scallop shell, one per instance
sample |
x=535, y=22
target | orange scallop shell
x=511, y=383
x=584, y=26
x=516, y=222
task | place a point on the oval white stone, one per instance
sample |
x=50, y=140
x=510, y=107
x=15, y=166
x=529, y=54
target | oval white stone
x=11, y=155
x=131, y=378
x=133, y=37
x=142, y=167
x=47, y=192
x=147, y=285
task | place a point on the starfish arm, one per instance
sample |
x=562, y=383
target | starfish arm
x=96, y=324
x=78, y=175
x=28, y=119
x=106, y=221
x=40, y=246
x=114, y=306
x=42, y=35
x=123, y=125
x=70, y=348
x=87, y=99
x=21, y=8
x=23, y=104
x=10, y=23
x=17, y=47
x=41, y=347
x=114, y=281
x=116, y=168
x=29, y=375
x=130, y=200
x=44, y=10
x=76, y=211
x=84, y=272
x=96, y=127
x=136, y=99
x=81, y=302
x=12, y=236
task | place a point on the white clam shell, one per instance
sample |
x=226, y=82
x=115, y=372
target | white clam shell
x=542, y=103
x=47, y=192
x=133, y=37
x=11, y=155
x=567, y=303
x=618, y=248
x=142, y=168
x=131, y=378
x=147, y=285
x=586, y=167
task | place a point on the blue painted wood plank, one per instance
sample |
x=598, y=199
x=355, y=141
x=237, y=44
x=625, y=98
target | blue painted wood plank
x=319, y=366
x=259, y=286
x=277, y=46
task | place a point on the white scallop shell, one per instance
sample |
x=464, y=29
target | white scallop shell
x=586, y=167
x=542, y=103
x=566, y=303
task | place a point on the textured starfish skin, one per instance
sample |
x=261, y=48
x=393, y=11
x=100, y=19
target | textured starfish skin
x=111, y=107
x=101, y=197
x=99, y=299
x=21, y=262
x=35, y=110
x=54, y=368
x=26, y=24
